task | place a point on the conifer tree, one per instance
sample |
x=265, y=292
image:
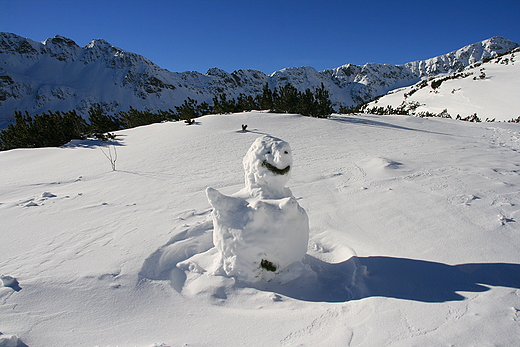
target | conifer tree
x=18, y=134
x=50, y=129
x=100, y=122
x=134, y=118
x=285, y=99
x=307, y=104
x=221, y=105
x=265, y=100
x=246, y=103
x=324, y=105
x=188, y=110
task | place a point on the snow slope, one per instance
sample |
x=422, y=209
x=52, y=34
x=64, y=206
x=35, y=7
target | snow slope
x=414, y=236
x=491, y=90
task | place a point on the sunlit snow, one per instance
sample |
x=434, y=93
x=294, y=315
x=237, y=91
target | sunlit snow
x=490, y=90
x=413, y=236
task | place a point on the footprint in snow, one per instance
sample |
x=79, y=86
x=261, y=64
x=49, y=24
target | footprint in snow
x=504, y=220
x=466, y=200
x=31, y=202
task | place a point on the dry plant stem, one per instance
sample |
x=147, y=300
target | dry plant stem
x=112, y=157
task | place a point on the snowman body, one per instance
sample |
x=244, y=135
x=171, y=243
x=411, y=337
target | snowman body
x=261, y=232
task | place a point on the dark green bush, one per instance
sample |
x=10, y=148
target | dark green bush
x=54, y=129
x=49, y=129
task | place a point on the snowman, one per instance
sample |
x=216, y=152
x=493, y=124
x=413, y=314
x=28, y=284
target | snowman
x=261, y=232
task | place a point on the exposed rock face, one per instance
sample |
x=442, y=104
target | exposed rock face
x=57, y=74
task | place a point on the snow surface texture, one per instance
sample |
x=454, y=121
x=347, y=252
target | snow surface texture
x=57, y=74
x=490, y=90
x=262, y=232
x=424, y=212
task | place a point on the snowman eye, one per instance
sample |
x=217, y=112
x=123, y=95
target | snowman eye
x=269, y=152
x=286, y=152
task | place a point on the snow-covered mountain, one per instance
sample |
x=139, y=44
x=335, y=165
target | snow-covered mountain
x=489, y=89
x=57, y=74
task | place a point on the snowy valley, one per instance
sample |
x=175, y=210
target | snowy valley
x=414, y=236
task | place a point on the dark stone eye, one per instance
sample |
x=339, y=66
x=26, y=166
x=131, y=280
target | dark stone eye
x=286, y=152
x=269, y=152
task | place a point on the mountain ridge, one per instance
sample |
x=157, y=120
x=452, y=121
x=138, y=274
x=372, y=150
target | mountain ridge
x=487, y=90
x=58, y=74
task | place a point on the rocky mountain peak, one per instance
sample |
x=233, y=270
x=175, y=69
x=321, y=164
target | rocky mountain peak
x=60, y=41
x=215, y=71
x=14, y=44
x=99, y=44
x=499, y=44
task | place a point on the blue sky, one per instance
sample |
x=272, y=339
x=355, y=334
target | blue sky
x=268, y=35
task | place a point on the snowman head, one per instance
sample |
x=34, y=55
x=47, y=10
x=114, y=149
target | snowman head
x=267, y=166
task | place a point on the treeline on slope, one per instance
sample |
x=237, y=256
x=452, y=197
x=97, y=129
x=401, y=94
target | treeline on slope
x=285, y=99
x=53, y=129
x=409, y=109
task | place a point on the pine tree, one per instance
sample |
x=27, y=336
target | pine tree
x=307, y=104
x=101, y=123
x=324, y=105
x=18, y=134
x=49, y=129
x=221, y=105
x=188, y=110
x=285, y=99
x=134, y=118
x=265, y=100
x=246, y=103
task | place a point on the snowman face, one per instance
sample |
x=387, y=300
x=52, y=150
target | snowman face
x=268, y=162
x=276, y=157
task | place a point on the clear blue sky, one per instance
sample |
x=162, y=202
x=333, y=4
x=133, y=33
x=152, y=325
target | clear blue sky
x=267, y=35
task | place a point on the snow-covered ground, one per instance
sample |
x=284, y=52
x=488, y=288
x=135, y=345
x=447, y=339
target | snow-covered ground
x=414, y=236
x=491, y=90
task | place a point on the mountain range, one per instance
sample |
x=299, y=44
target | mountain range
x=58, y=74
x=488, y=90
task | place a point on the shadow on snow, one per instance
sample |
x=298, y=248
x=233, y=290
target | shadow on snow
x=400, y=278
x=374, y=123
x=92, y=143
x=353, y=279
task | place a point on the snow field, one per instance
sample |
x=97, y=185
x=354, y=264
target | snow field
x=396, y=206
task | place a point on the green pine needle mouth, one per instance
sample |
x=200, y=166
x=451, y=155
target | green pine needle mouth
x=276, y=170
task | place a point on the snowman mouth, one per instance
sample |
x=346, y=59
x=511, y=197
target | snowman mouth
x=274, y=169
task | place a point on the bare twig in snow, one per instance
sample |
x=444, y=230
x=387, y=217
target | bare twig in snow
x=112, y=157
